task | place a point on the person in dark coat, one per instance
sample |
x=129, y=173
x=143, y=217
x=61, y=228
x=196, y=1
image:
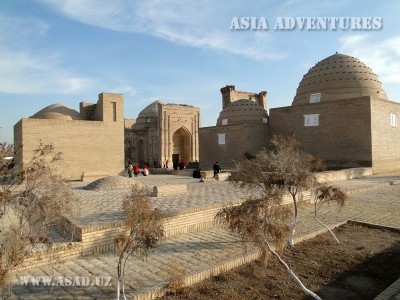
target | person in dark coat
x=196, y=173
x=216, y=168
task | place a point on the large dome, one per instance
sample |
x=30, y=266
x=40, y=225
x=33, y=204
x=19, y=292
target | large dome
x=58, y=112
x=150, y=111
x=242, y=111
x=339, y=77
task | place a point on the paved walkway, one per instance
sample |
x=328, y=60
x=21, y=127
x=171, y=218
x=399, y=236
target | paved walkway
x=196, y=252
x=96, y=207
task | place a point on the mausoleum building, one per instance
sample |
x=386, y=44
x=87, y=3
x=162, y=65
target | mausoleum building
x=340, y=113
x=163, y=131
x=91, y=141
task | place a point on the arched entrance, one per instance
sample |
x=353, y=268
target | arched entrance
x=181, y=150
x=141, y=157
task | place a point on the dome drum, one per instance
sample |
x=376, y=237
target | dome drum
x=242, y=111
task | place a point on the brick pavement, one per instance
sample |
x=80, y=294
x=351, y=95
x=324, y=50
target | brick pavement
x=199, y=252
x=96, y=207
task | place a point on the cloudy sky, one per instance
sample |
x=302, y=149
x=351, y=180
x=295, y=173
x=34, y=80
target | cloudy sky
x=179, y=51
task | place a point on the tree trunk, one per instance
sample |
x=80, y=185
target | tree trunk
x=291, y=241
x=291, y=273
x=118, y=288
x=119, y=274
x=322, y=224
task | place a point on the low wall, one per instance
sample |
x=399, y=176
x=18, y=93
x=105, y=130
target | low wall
x=341, y=175
x=55, y=254
x=99, y=239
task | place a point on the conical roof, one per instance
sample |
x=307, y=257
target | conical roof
x=57, y=111
x=336, y=77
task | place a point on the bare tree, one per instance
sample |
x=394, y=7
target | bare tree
x=34, y=200
x=284, y=169
x=273, y=175
x=325, y=195
x=144, y=231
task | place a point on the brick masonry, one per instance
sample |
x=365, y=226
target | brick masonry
x=86, y=145
x=343, y=136
x=238, y=139
x=385, y=138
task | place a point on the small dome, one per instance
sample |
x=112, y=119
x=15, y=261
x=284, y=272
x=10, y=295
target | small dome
x=58, y=112
x=150, y=111
x=113, y=183
x=339, y=76
x=242, y=111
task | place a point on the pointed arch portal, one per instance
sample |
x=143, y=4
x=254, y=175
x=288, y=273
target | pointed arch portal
x=181, y=150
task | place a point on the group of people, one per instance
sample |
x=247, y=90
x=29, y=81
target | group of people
x=161, y=164
x=216, y=168
x=134, y=170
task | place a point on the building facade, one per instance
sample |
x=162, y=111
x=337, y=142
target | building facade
x=340, y=113
x=163, y=132
x=242, y=126
x=91, y=140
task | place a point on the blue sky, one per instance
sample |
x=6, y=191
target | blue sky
x=68, y=51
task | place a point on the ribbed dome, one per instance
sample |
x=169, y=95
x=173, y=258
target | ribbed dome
x=339, y=77
x=58, y=112
x=242, y=111
x=150, y=111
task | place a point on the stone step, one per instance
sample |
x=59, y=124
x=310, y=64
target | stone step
x=194, y=256
x=185, y=259
x=96, y=239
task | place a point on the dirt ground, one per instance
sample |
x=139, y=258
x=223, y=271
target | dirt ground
x=366, y=262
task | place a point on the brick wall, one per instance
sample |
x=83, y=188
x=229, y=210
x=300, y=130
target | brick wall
x=105, y=105
x=85, y=145
x=238, y=139
x=343, y=137
x=229, y=95
x=385, y=138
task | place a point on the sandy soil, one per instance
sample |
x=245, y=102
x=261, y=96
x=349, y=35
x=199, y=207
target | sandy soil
x=366, y=262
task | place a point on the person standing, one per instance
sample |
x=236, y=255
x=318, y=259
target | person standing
x=216, y=168
x=130, y=169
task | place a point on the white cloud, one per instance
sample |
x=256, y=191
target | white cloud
x=383, y=56
x=21, y=72
x=25, y=71
x=316, y=8
x=126, y=90
x=201, y=24
x=14, y=28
